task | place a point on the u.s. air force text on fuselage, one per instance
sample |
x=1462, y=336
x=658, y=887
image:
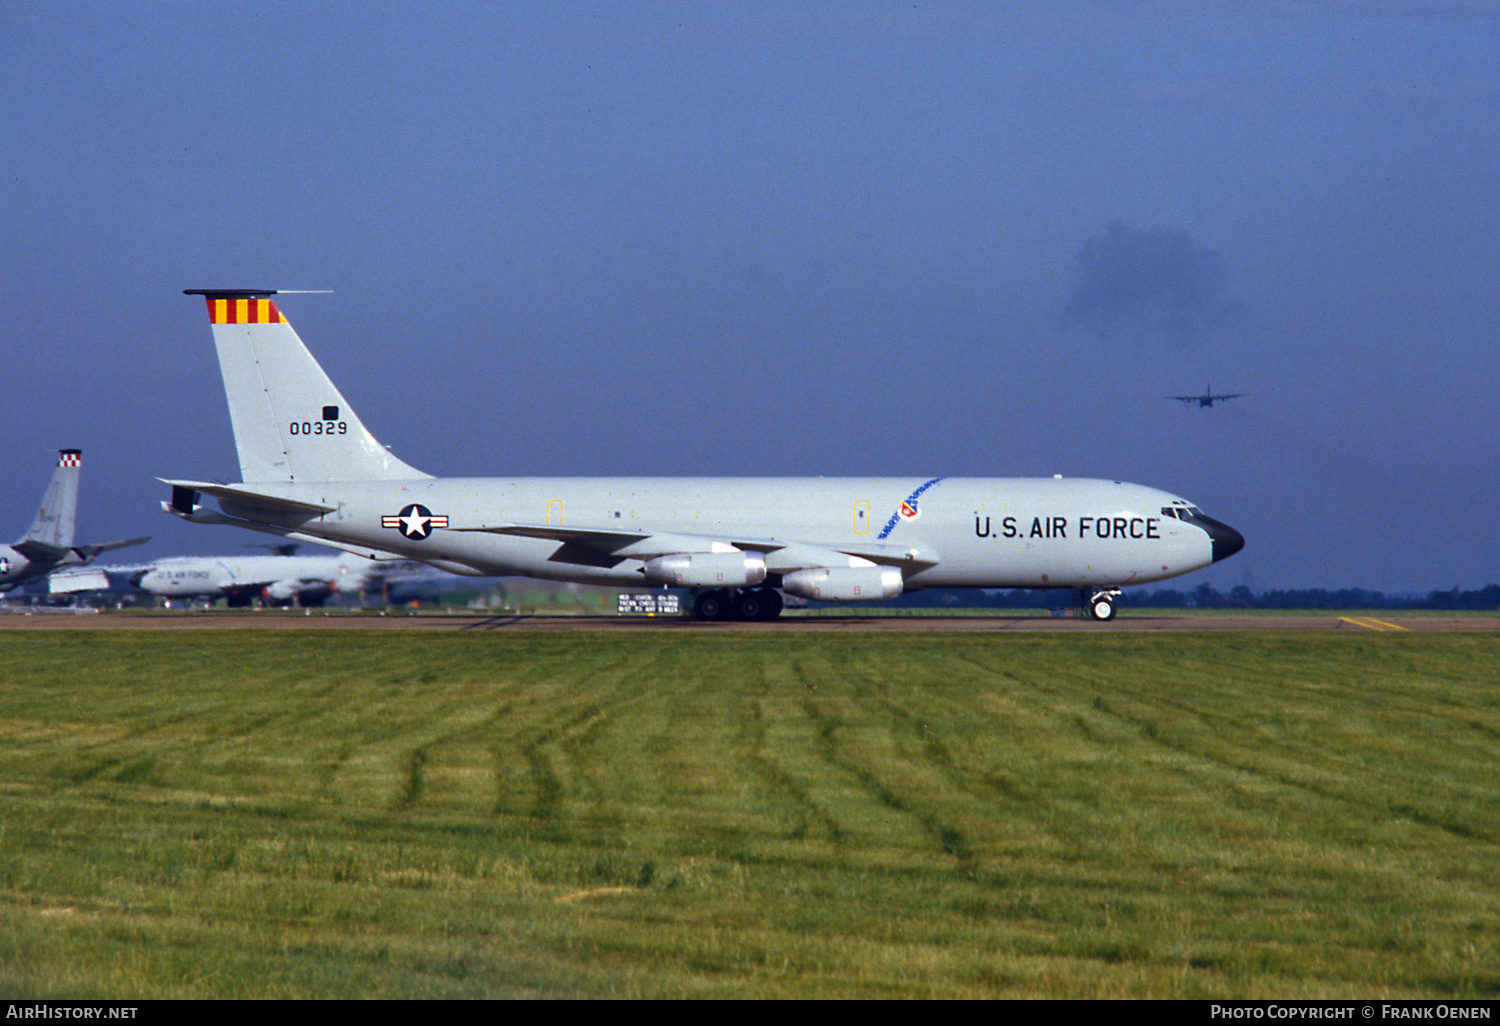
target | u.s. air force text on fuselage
x=1057, y=527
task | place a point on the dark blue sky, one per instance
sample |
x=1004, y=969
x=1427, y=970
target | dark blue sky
x=775, y=238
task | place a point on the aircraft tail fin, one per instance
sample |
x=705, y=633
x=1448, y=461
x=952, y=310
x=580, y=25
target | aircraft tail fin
x=59, y=510
x=290, y=421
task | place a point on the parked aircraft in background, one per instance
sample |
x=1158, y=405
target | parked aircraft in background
x=48, y=545
x=278, y=580
x=310, y=471
x=281, y=580
x=1207, y=398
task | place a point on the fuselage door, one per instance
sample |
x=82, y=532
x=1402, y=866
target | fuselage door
x=554, y=509
x=862, y=516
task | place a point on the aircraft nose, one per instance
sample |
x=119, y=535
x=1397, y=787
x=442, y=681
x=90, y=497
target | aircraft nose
x=1226, y=540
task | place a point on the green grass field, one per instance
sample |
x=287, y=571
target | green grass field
x=418, y=814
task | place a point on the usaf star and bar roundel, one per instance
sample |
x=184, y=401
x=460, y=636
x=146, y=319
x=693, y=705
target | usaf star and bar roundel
x=415, y=522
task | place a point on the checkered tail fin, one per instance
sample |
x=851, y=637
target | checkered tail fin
x=290, y=422
x=54, y=520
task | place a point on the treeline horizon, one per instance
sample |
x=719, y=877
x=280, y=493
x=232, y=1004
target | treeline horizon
x=1206, y=596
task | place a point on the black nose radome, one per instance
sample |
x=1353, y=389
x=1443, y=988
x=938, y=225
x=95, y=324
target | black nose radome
x=1227, y=541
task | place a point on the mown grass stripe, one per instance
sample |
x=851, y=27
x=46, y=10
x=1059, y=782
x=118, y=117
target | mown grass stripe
x=271, y=814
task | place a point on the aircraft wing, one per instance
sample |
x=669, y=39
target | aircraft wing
x=608, y=547
x=204, y=515
x=604, y=546
x=69, y=582
x=782, y=556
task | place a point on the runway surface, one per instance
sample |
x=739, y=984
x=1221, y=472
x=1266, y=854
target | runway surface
x=21, y=619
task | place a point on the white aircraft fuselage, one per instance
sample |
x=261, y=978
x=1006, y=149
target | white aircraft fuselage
x=312, y=471
x=967, y=532
x=307, y=579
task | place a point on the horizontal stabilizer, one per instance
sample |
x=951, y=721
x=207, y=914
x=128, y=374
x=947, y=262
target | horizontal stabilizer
x=90, y=551
x=41, y=552
x=255, y=502
x=203, y=515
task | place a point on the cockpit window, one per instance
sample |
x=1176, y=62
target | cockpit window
x=1183, y=512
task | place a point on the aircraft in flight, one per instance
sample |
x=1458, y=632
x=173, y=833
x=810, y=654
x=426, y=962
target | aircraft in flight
x=47, y=546
x=240, y=580
x=1207, y=398
x=311, y=471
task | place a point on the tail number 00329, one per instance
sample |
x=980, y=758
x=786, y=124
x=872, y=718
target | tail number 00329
x=319, y=427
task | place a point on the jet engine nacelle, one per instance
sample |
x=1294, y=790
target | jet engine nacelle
x=708, y=570
x=283, y=591
x=844, y=584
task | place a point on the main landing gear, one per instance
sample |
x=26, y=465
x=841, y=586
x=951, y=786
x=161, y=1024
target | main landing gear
x=741, y=604
x=1099, y=605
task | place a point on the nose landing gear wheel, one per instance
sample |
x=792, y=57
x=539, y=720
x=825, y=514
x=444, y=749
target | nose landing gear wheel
x=1102, y=606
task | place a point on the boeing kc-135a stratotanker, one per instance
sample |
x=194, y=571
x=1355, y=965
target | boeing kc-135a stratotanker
x=310, y=471
x=47, y=546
